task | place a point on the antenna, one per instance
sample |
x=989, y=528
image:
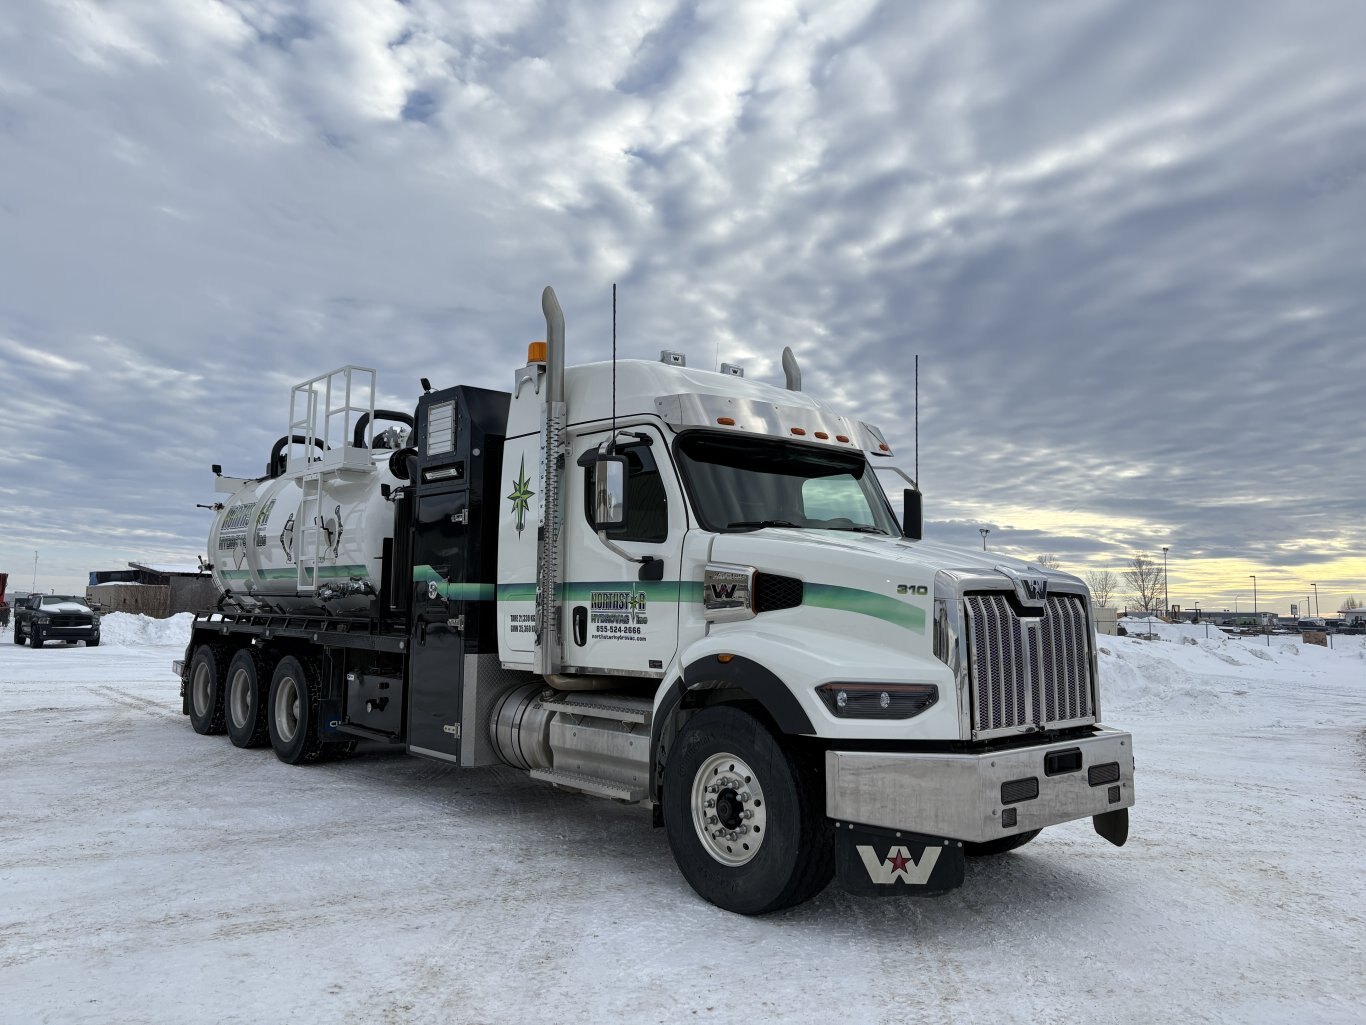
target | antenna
x=614, y=362
x=917, y=420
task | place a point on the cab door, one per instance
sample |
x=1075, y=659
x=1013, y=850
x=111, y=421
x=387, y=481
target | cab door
x=622, y=616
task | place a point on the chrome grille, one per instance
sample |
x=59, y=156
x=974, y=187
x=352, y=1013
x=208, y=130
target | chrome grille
x=1028, y=672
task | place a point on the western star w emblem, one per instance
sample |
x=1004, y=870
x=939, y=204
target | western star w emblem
x=899, y=865
x=521, y=498
x=1030, y=590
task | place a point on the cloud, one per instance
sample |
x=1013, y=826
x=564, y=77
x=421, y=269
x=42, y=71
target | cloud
x=1121, y=239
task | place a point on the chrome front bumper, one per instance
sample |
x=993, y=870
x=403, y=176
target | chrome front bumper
x=971, y=797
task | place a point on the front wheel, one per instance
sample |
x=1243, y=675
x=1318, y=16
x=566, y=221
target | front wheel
x=745, y=815
x=18, y=637
x=35, y=637
x=1001, y=846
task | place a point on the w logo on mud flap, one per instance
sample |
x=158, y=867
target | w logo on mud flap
x=899, y=864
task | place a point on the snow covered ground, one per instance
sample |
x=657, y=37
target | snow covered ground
x=148, y=874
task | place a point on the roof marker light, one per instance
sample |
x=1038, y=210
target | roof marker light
x=823, y=436
x=726, y=421
x=884, y=447
x=798, y=431
x=842, y=438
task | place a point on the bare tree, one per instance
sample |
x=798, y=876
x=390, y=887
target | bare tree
x=1143, y=578
x=1103, y=586
x=1047, y=561
x=1350, y=604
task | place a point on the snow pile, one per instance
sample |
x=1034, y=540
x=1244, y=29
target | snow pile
x=132, y=629
x=1193, y=669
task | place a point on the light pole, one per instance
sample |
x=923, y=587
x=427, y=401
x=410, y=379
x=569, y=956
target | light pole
x=1166, y=599
x=1197, y=612
x=1316, y=598
x=984, y=531
x=1236, y=599
x=1254, y=599
x=34, y=585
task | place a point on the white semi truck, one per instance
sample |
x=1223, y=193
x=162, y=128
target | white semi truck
x=655, y=584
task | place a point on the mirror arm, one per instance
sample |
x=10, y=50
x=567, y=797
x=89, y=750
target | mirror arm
x=613, y=546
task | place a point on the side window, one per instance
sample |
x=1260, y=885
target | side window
x=647, y=506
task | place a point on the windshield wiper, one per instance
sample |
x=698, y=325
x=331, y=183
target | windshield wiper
x=756, y=524
x=861, y=528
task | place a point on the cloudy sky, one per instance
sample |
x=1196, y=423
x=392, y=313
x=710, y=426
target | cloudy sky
x=1125, y=240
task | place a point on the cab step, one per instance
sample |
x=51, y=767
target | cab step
x=590, y=785
x=618, y=709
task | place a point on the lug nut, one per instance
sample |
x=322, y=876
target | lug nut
x=748, y=813
x=711, y=803
x=744, y=798
x=711, y=820
x=733, y=836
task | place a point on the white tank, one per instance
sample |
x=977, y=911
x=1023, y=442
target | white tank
x=307, y=538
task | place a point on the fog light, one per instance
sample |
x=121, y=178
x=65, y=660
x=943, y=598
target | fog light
x=1008, y=818
x=877, y=700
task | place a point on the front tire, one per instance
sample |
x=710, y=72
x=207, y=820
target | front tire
x=292, y=712
x=1001, y=846
x=35, y=637
x=18, y=637
x=206, y=689
x=745, y=815
x=244, y=699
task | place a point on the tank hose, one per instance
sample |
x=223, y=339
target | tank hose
x=358, y=435
x=276, y=466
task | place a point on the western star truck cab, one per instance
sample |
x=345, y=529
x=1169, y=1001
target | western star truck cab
x=650, y=583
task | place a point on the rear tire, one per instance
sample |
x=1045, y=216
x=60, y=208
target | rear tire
x=768, y=798
x=1001, y=846
x=206, y=689
x=246, y=689
x=292, y=712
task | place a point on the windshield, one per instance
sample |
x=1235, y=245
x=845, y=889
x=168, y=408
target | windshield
x=741, y=484
x=58, y=599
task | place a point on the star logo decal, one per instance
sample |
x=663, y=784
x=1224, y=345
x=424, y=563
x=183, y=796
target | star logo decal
x=521, y=497
x=898, y=859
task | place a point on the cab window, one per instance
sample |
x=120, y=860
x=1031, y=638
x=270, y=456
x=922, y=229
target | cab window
x=647, y=505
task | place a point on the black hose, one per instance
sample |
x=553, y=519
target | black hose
x=358, y=436
x=276, y=466
x=403, y=464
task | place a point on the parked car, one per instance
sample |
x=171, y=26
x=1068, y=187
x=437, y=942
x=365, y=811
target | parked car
x=39, y=618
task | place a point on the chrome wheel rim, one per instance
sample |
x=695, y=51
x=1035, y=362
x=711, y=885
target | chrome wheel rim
x=729, y=810
x=287, y=709
x=239, y=693
x=200, y=689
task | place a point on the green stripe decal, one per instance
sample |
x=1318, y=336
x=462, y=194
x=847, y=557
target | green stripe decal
x=865, y=603
x=452, y=591
x=817, y=596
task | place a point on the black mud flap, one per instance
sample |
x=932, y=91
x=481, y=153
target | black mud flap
x=890, y=863
x=329, y=718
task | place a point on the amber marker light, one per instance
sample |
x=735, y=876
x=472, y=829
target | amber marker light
x=536, y=352
x=724, y=658
x=798, y=431
x=726, y=421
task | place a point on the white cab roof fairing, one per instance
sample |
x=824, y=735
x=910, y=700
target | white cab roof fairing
x=641, y=385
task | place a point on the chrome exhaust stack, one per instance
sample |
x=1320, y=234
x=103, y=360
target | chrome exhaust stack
x=549, y=559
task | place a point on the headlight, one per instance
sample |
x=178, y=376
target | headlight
x=877, y=700
x=42, y=620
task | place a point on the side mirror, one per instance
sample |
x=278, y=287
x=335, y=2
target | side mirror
x=609, y=492
x=912, y=515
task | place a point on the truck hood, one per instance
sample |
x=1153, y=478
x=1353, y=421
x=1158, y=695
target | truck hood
x=64, y=608
x=871, y=561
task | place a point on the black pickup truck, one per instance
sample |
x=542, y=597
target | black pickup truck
x=55, y=617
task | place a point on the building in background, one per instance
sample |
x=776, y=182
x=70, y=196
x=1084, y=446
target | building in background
x=157, y=591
